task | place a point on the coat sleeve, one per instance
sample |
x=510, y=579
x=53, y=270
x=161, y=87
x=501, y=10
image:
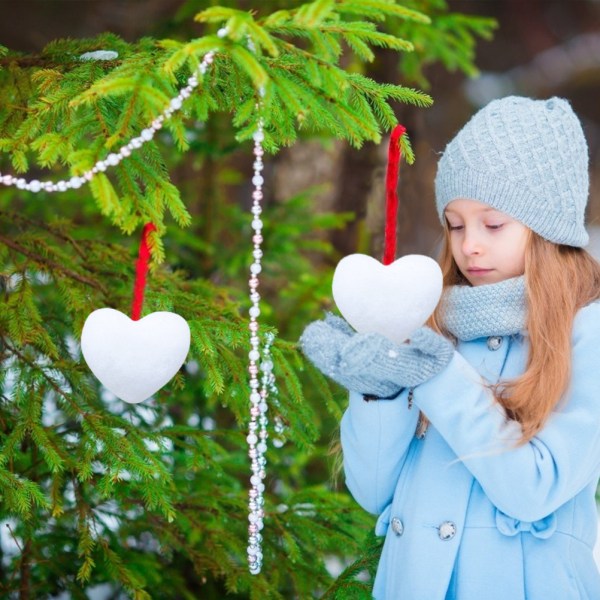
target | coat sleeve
x=530, y=481
x=375, y=437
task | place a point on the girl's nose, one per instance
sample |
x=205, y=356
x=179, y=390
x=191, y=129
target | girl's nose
x=471, y=243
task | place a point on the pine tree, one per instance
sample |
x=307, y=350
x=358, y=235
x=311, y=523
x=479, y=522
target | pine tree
x=151, y=499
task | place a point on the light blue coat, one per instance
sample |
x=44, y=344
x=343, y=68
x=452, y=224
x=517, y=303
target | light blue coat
x=466, y=514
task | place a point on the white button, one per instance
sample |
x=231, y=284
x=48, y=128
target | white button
x=494, y=342
x=447, y=530
x=397, y=526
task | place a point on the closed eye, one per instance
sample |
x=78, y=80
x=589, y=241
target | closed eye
x=494, y=227
x=455, y=227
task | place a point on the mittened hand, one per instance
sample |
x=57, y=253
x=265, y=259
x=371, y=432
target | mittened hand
x=406, y=365
x=371, y=364
x=323, y=343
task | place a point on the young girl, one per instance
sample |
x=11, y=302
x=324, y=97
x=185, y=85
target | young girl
x=478, y=442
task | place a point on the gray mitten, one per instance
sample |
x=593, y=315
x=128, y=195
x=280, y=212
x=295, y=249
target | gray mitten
x=323, y=342
x=406, y=365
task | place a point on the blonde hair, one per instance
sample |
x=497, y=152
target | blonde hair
x=559, y=280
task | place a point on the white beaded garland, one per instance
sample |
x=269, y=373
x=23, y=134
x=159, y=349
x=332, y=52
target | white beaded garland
x=113, y=159
x=258, y=399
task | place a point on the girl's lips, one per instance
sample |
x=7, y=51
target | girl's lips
x=476, y=271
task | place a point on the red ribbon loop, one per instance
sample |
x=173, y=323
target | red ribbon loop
x=391, y=195
x=141, y=270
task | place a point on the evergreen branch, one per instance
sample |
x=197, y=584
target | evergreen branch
x=34, y=366
x=41, y=260
x=380, y=9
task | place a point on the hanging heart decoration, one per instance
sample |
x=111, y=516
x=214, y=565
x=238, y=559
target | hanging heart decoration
x=134, y=358
x=394, y=298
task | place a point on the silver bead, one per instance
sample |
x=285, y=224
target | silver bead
x=34, y=186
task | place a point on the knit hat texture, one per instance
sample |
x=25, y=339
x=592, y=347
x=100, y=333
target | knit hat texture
x=526, y=158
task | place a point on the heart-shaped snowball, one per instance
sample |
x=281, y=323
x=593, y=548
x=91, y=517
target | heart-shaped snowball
x=393, y=300
x=134, y=359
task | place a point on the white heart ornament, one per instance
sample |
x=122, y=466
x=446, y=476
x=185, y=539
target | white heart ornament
x=393, y=300
x=134, y=359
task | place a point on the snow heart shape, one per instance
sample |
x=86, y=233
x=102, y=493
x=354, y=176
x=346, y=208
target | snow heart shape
x=134, y=359
x=393, y=300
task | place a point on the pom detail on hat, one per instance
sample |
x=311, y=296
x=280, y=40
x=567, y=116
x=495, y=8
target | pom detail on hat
x=527, y=158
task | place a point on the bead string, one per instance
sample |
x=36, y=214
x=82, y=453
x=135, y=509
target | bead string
x=259, y=391
x=113, y=159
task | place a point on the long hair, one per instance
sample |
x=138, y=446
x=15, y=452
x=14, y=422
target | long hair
x=559, y=280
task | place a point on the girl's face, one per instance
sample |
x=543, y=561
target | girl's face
x=487, y=245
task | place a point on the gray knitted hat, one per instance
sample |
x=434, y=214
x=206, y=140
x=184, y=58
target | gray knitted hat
x=527, y=158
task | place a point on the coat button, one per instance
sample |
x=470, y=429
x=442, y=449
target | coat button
x=494, y=342
x=447, y=530
x=397, y=526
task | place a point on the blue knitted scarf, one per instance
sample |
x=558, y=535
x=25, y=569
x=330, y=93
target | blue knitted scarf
x=496, y=309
